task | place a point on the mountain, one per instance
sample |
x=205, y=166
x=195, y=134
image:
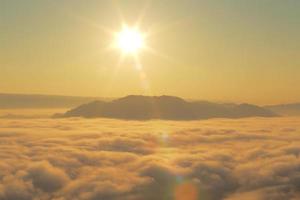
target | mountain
x=41, y=101
x=286, y=109
x=164, y=107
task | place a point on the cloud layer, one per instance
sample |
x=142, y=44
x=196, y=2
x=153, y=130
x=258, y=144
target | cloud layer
x=91, y=159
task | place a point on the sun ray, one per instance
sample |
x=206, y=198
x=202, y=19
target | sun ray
x=142, y=14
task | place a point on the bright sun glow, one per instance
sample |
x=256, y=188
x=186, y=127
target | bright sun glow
x=130, y=40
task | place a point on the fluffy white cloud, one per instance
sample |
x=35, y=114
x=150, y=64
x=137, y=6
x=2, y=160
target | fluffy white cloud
x=91, y=159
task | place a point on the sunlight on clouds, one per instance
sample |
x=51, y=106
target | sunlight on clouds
x=87, y=159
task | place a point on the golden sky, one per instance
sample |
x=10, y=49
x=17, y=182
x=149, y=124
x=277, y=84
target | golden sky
x=215, y=50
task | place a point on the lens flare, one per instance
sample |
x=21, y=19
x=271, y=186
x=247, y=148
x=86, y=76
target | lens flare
x=186, y=191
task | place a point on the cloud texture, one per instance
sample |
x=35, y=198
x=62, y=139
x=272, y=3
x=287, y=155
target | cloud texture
x=92, y=159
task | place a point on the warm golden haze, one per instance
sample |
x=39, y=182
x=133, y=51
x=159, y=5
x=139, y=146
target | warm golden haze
x=149, y=100
x=232, y=51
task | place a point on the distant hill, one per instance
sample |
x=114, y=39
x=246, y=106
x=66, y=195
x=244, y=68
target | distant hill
x=8, y=101
x=164, y=107
x=286, y=109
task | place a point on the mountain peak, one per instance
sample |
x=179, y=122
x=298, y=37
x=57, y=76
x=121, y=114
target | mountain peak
x=139, y=107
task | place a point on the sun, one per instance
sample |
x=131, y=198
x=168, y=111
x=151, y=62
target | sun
x=130, y=40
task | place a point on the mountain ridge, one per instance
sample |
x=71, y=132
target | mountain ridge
x=292, y=109
x=138, y=107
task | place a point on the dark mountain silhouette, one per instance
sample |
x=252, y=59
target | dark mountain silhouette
x=164, y=107
x=286, y=109
x=42, y=101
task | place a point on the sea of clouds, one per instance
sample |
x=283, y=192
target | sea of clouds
x=102, y=159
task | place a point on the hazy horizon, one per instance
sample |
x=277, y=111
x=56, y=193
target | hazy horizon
x=117, y=97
